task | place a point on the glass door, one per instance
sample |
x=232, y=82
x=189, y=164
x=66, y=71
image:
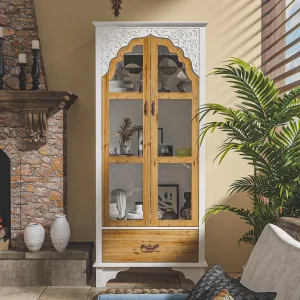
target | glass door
x=174, y=134
x=126, y=137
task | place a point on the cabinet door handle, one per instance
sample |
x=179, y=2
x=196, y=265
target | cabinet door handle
x=153, y=108
x=149, y=248
x=146, y=108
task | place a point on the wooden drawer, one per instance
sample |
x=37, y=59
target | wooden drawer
x=150, y=245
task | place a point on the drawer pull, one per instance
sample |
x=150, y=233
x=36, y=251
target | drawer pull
x=149, y=248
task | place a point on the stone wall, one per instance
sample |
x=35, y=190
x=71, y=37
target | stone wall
x=38, y=172
x=20, y=28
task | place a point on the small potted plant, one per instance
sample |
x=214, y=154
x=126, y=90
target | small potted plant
x=126, y=132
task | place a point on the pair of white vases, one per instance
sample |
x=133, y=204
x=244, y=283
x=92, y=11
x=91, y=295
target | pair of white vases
x=34, y=234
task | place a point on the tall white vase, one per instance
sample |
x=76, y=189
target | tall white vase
x=34, y=235
x=60, y=233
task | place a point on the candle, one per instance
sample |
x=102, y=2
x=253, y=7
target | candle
x=1, y=31
x=22, y=58
x=35, y=44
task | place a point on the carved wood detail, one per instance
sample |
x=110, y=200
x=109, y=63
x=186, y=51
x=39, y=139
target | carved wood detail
x=36, y=105
x=116, y=6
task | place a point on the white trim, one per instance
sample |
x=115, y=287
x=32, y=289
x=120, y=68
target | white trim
x=151, y=228
x=150, y=265
x=202, y=99
x=98, y=151
x=149, y=24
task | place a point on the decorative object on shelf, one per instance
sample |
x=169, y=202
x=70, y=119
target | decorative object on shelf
x=138, y=207
x=185, y=211
x=34, y=236
x=35, y=71
x=140, y=139
x=22, y=75
x=184, y=85
x=168, y=198
x=117, y=83
x=160, y=214
x=60, y=233
x=183, y=151
x=2, y=72
x=119, y=196
x=126, y=132
x=166, y=150
x=113, y=211
x=138, y=213
x=163, y=64
x=127, y=82
x=170, y=214
x=114, y=151
x=116, y=6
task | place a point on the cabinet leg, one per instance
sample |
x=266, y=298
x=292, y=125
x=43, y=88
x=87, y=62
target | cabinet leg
x=103, y=275
x=193, y=274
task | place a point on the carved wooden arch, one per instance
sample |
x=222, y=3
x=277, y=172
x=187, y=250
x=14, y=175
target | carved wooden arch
x=161, y=41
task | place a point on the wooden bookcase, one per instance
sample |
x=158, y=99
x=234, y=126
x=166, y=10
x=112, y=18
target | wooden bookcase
x=150, y=177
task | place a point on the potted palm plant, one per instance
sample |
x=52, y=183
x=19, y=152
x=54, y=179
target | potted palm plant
x=264, y=129
x=125, y=132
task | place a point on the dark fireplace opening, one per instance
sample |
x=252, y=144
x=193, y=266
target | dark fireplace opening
x=5, y=205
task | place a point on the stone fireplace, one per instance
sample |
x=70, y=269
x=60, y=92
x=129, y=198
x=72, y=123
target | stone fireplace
x=33, y=159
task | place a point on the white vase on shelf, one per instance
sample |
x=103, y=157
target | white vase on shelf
x=113, y=211
x=34, y=235
x=60, y=233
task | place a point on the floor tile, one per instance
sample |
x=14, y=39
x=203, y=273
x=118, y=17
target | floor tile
x=21, y=293
x=65, y=293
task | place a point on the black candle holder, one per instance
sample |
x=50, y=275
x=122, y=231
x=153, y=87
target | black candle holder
x=22, y=76
x=1, y=65
x=35, y=71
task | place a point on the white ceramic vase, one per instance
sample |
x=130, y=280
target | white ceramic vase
x=34, y=235
x=113, y=211
x=60, y=233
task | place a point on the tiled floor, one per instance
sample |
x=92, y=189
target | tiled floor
x=137, y=278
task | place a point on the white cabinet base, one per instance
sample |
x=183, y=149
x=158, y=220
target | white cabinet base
x=193, y=274
x=103, y=275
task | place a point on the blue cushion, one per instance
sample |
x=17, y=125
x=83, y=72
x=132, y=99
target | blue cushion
x=142, y=297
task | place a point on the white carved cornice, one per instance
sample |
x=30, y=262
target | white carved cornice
x=113, y=39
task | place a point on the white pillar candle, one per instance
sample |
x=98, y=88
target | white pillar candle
x=1, y=31
x=35, y=44
x=22, y=58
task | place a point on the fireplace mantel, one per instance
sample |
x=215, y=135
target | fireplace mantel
x=36, y=105
x=37, y=99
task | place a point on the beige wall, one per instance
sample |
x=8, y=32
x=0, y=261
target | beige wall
x=67, y=38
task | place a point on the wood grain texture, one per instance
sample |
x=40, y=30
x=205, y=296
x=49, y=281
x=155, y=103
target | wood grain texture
x=175, y=159
x=175, y=95
x=105, y=151
x=147, y=132
x=154, y=133
x=194, y=159
x=128, y=245
x=107, y=159
x=125, y=159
